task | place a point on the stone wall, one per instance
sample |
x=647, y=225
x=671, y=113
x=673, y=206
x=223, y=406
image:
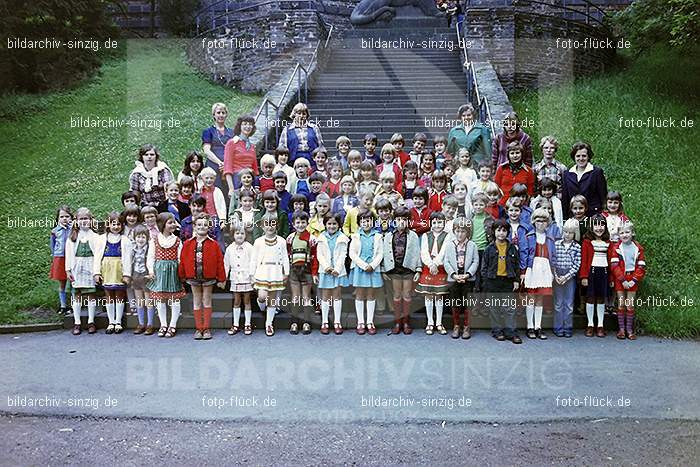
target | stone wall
x=262, y=46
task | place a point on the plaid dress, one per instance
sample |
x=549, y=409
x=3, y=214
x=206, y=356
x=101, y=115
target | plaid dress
x=166, y=284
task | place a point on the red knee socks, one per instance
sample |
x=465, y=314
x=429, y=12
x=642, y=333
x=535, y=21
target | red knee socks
x=198, y=319
x=206, y=318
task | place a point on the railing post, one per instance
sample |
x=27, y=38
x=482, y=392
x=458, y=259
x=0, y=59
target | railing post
x=267, y=123
x=299, y=85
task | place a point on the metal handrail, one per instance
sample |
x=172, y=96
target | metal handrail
x=296, y=73
x=227, y=13
x=586, y=14
x=482, y=103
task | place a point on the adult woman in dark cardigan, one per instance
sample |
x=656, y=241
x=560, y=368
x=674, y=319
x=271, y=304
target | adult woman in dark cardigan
x=240, y=153
x=584, y=179
x=301, y=137
x=471, y=135
x=511, y=133
x=215, y=137
x=150, y=176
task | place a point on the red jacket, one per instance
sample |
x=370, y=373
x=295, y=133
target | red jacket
x=307, y=237
x=436, y=199
x=505, y=179
x=403, y=158
x=617, y=263
x=587, y=253
x=398, y=175
x=420, y=222
x=213, y=260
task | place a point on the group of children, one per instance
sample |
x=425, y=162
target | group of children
x=387, y=222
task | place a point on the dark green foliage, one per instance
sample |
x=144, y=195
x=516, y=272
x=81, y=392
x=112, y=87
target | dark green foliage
x=675, y=23
x=40, y=69
x=177, y=16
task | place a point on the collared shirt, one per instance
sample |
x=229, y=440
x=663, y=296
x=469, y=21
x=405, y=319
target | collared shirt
x=567, y=259
x=555, y=172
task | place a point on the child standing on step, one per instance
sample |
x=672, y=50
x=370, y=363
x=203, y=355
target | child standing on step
x=347, y=198
x=595, y=272
x=331, y=251
x=368, y=177
x=401, y=263
x=628, y=269
x=282, y=155
x=389, y=165
x=410, y=182
x=537, y=266
x=398, y=142
x=342, y=144
x=370, y=143
x=567, y=261
x=366, y=255
x=433, y=279
x=615, y=215
x=301, y=248
x=81, y=246
x=420, y=213
x=419, y=143
x=237, y=261
x=162, y=262
x=332, y=186
x=269, y=268
x=461, y=264
x=112, y=268
x=57, y=243
x=201, y=266
x=139, y=278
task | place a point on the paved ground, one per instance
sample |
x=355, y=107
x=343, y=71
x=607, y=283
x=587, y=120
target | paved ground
x=553, y=401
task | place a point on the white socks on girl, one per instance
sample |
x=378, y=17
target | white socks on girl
x=429, y=311
x=270, y=315
x=163, y=313
x=589, y=314
x=360, y=311
x=534, y=316
x=337, y=308
x=325, y=309
x=236, y=316
x=370, y=310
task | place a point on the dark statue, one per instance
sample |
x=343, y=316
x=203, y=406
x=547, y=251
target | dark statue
x=368, y=11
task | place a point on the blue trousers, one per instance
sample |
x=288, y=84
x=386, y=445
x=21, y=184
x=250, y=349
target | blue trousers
x=564, y=306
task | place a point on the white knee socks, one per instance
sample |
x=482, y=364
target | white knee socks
x=110, y=312
x=162, y=314
x=270, y=315
x=589, y=313
x=119, y=313
x=325, y=309
x=438, y=311
x=76, y=310
x=248, y=316
x=337, y=308
x=538, y=317
x=236, y=316
x=600, y=311
x=429, y=311
x=530, y=315
x=360, y=311
x=370, y=310
x=175, y=307
x=92, y=306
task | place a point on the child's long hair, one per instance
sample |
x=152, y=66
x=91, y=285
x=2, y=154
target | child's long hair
x=162, y=219
x=81, y=212
x=271, y=195
x=129, y=211
x=368, y=166
x=113, y=216
x=188, y=160
x=299, y=198
x=595, y=220
x=616, y=196
x=63, y=207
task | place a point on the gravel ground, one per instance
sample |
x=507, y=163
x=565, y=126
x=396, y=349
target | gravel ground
x=31, y=440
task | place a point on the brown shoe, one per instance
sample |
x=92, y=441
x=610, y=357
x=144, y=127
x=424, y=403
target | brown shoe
x=150, y=330
x=325, y=329
x=360, y=329
x=517, y=340
x=92, y=329
x=371, y=330
x=338, y=329
x=76, y=330
x=621, y=334
x=600, y=332
x=589, y=331
x=466, y=334
x=407, y=329
x=397, y=328
x=139, y=329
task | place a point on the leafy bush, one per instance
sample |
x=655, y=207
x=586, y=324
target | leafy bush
x=177, y=16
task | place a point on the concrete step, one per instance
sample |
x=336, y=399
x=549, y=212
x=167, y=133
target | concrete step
x=222, y=320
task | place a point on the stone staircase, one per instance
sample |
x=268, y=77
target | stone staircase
x=388, y=80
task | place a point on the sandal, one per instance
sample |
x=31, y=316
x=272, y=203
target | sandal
x=110, y=329
x=247, y=330
x=632, y=336
x=429, y=329
x=325, y=329
x=441, y=329
x=171, y=332
x=294, y=329
x=233, y=331
x=269, y=331
x=360, y=330
x=371, y=330
x=162, y=331
x=338, y=329
x=621, y=334
x=118, y=329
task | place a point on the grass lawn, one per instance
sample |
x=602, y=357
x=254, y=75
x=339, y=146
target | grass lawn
x=656, y=169
x=47, y=163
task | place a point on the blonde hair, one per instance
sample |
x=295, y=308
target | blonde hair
x=571, y=225
x=207, y=171
x=354, y=154
x=341, y=140
x=389, y=148
x=348, y=179
x=218, y=105
x=299, y=107
x=492, y=188
x=301, y=161
x=268, y=159
x=541, y=213
x=386, y=175
x=551, y=140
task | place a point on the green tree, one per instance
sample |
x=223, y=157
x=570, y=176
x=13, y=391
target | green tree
x=39, y=69
x=647, y=23
x=177, y=16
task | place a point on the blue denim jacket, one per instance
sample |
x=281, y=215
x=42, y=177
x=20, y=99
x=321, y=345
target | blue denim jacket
x=58, y=240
